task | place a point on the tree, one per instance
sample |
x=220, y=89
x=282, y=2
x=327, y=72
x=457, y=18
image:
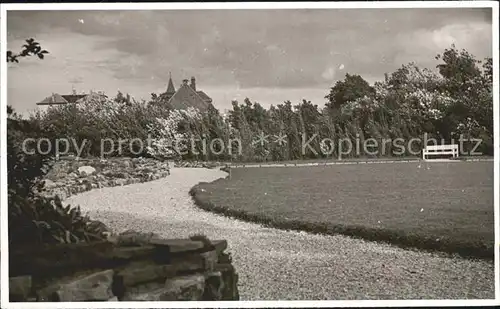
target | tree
x=123, y=99
x=471, y=86
x=351, y=88
x=31, y=48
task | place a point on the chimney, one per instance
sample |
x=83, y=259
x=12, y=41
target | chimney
x=184, y=81
x=193, y=83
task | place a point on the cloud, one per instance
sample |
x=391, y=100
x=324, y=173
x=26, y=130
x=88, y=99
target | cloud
x=329, y=74
x=245, y=49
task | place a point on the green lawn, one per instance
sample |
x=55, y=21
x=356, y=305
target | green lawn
x=439, y=206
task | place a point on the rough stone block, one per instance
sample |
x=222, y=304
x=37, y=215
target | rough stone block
x=188, y=263
x=220, y=245
x=230, y=279
x=141, y=274
x=214, y=286
x=86, y=170
x=133, y=238
x=184, y=288
x=210, y=259
x=177, y=246
x=97, y=286
x=145, y=292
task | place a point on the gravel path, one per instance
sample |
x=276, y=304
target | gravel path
x=281, y=265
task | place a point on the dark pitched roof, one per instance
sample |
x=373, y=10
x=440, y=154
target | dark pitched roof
x=55, y=98
x=73, y=98
x=204, y=96
x=170, y=87
x=186, y=97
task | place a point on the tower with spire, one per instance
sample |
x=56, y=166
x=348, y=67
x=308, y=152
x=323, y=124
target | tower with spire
x=170, y=88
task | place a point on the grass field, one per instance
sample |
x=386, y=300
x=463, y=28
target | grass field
x=438, y=206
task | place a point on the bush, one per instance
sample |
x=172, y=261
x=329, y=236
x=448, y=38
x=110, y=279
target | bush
x=25, y=168
x=96, y=118
x=42, y=220
x=34, y=219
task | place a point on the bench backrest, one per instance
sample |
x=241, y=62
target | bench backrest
x=441, y=147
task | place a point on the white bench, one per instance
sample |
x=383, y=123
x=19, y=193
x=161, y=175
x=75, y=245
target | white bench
x=438, y=150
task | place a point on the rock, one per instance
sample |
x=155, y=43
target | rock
x=132, y=276
x=72, y=175
x=146, y=292
x=224, y=258
x=154, y=295
x=230, y=279
x=120, y=182
x=133, y=238
x=210, y=259
x=220, y=245
x=49, y=184
x=177, y=246
x=97, y=286
x=146, y=170
x=214, y=286
x=98, y=226
x=184, y=288
x=88, y=170
x=19, y=288
x=127, y=164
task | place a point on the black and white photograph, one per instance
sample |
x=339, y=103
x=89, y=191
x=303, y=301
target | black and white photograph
x=226, y=153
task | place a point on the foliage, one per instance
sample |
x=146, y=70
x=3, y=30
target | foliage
x=31, y=48
x=455, y=99
x=351, y=88
x=41, y=220
x=25, y=168
x=96, y=119
x=34, y=219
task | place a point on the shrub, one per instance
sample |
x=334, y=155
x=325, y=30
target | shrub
x=34, y=219
x=42, y=220
x=97, y=118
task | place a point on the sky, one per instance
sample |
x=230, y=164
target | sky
x=269, y=56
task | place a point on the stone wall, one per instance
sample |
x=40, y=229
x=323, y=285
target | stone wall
x=69, y=176
x=198, y=164
x=129, y=267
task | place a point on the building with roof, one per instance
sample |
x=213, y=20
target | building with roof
x=58, y=99
x=186, y=96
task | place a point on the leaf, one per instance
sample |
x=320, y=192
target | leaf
x=41, y=224
x=40, y=56
x=59, y=239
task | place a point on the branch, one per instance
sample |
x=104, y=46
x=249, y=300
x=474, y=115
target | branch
x=31, y=48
